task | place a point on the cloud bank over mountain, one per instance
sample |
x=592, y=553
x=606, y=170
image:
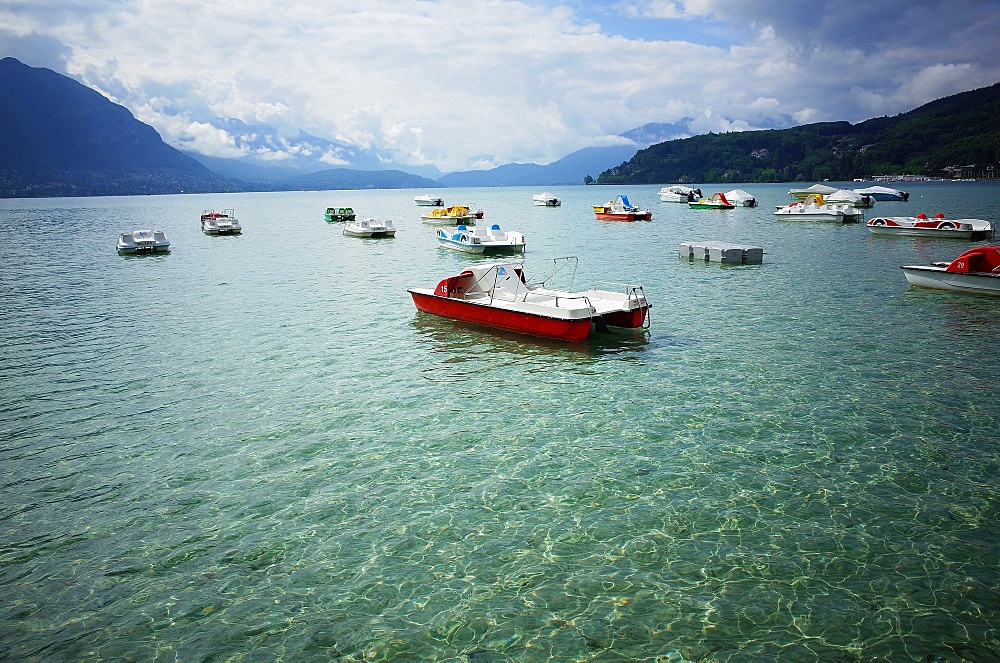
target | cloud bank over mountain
x=454, y=85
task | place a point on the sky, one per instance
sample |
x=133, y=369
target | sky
x=473, y=84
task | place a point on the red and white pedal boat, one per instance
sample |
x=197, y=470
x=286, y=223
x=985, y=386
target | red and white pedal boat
x=620, y=209
x=498, y=295
x=976, y=270
x=921, y=226
x=220, y=223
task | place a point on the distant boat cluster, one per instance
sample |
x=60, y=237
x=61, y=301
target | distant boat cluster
x=138, y=242
x=501, y=296
x=977, y=270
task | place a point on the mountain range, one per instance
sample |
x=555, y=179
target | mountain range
x=59, y=137
x=314, y=155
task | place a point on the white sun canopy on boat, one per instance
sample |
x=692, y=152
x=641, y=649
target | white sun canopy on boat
x=815, y=188
x=873, y=190
x=737, y=196
x=844, y=196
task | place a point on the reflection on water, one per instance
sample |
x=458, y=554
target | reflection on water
x=251, y=449
x=464, y=338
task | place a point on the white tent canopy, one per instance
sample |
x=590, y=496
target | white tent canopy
x=844, y=196
x=883, y=193
x=740, y=197
x=822, y=189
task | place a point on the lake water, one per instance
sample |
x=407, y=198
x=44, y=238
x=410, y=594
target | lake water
x=254, y=448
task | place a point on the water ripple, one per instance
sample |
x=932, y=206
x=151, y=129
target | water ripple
x=245, y=446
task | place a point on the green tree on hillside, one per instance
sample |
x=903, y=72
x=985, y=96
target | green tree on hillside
x=957, y=131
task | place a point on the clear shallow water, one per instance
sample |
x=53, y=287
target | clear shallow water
x=255, y=448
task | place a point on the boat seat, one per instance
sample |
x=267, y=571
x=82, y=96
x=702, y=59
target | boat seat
x=500, y=292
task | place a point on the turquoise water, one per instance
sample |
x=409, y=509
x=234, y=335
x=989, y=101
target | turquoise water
x=254, y=447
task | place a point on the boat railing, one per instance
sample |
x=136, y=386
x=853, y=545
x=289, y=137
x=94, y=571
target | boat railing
x=522, y=291
x=634, y=295
x=585, y=298
x=557, y=266
x=626, y=289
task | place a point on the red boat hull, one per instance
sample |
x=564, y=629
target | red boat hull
x=629, y=216
x=629, y=319
x=481, y=314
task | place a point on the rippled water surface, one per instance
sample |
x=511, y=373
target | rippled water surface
x=254, y=447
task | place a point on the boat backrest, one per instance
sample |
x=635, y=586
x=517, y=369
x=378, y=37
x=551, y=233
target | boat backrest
x=455, y=286
x=508, y=281
x=979, y=259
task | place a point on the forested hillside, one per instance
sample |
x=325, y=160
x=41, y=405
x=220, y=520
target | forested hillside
x=958, y=136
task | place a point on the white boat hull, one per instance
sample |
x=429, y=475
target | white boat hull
x=464, y=240
x=920, y=232
x=828, y=218
x=546, y=200
x=221, y=229
x=455, y=215
x=370, y=233
x=938, y=277
x=938, y=227
x=678, y=194
x=143, y=241
x=475, y=249
x=449, y=220
x=370, y=228
x=832, y=215
x=479, y=241
x=220, y=223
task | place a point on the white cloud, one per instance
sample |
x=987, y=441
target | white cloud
x=444, y=82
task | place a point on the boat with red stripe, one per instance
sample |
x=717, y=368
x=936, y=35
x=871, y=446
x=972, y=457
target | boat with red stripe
x=499, y=295
x=939, y=226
